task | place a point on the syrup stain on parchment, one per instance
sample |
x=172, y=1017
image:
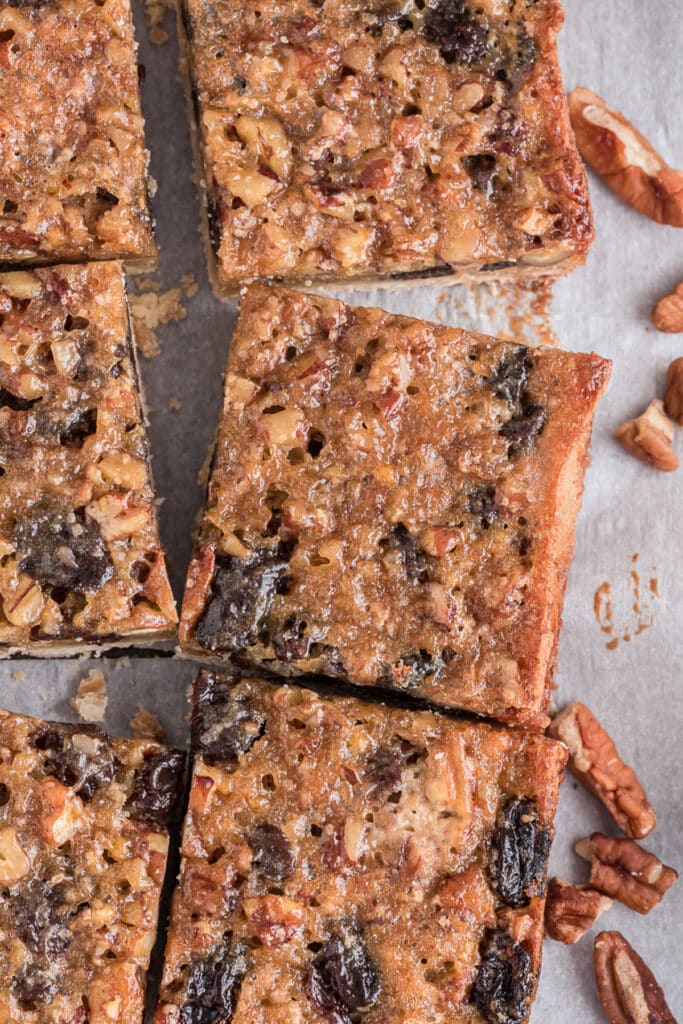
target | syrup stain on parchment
x=640, y=615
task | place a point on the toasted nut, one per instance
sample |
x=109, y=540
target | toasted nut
x=668, y=313
x=14, y=864
x=22, y=284
x=622, y=869
x=673, y=395
x=594, y=760
x=572, y=909
x=275, y=918
x=649, y=438
x=628, y=989
x=625, y=159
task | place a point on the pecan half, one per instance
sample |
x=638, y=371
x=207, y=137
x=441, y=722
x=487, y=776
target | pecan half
x=594, y=759
x=628, y=989
x=622, y=869
x=673, y=394
x=668, y=313
x=625, y=159
x=649, y=437
x=572, y=909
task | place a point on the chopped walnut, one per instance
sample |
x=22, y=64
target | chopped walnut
x=625, y=159
x=594, y=759
x=667, y=315
x=628, y=990
x=624, y=870
x=90, y=699
x=673, y=395
x=14, y=864
x=649, y=438
x=572, y=909
x=146, y=726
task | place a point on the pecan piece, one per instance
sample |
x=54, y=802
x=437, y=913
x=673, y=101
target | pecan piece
x=673, y=394
x=624, y=870
x=594, y=759
x=667, y=315
x=625, y=159
x=572, y=909
x=649, y=437
x=628, y=989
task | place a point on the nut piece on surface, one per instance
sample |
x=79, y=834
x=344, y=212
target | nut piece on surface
x=572, y=909
x=628, y=989
x=14, y=864
x=90, y=699
x=594, y=760
x=625, y=159
x=649, y=437
x=673, y=395
x=622, y=869
x=668, y=313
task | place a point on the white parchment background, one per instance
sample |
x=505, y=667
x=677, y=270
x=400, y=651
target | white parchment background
x=630, y=53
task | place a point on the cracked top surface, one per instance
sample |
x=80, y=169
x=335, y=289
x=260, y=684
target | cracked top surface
x=389, y=137
x=80, y=555
x=73, y=164
x=391, y=502
x=330, y=839
x=83, y=846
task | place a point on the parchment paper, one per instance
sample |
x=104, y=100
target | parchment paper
x=629, y=53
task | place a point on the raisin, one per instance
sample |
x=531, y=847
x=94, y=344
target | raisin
x=482, y=503
x=511, y=376
x=500, y=265
x=273, y=855
x=504, y=980
x=33, y=987
x=454, y=28
x=521, y=431
x=509, y=134
x=343, y=978
x=79, y=425
x=415, y=560
x=83, y=772
x=62, y=549
x=213, y=216
x=214, y=983
x=223, y=726
x=385, y=17
x=519, y=853
x=157, y=787
x=386, y=769
x=7, y=399
x=106, y=197
x=483, y=171
x=524, y=59
x=242, y=595
x=411, y=670
x=39, y=919
x=291, y=642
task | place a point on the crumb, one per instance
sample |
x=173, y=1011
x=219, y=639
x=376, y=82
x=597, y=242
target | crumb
x=155, y=12
x=150, y=308
x=174, y=403
x=42, y=694
x=19, y=675
x=146, y=726
x=517, y=311
x=205, y=469
x=122, y=663
x=90, y=699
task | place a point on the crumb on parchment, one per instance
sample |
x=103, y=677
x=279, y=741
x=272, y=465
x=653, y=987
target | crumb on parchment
x=90, y=699
x=146, y=726
x=151, y=308
x=19, y=675
x=155, y=12
x=174, y=403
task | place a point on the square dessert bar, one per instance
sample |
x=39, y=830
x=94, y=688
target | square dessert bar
x=81, y=564
x=344, y=861
x=73, y=163
x=392, y=503
x=83, y=845
x=384, y=140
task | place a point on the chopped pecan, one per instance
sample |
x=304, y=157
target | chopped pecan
x=668, y=313
x=594, y=759
x=622, y=869
x=649, y=437
x=673, y=395
x=572, y=909
x=628, y=990
x=625, y=159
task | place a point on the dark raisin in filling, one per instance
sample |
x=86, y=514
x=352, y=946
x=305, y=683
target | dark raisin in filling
x=223, y=726
x=504, y=981
x=519, y=853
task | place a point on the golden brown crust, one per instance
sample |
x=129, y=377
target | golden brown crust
x=83, y=848
x=355, y=141
x=73, y=164
x=391, y=502
x=312, y=817
x=81, y=561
